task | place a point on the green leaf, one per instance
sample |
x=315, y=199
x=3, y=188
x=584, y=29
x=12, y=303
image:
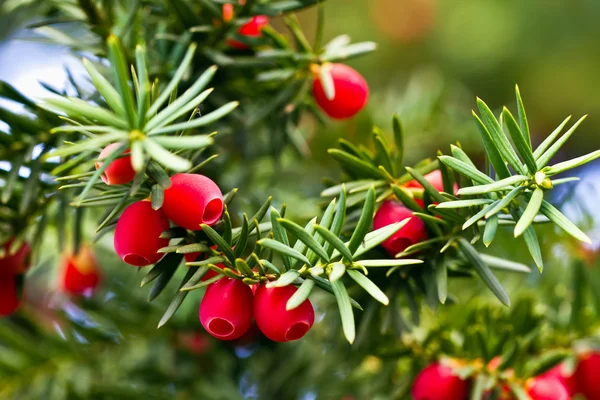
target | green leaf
x=518, y=391
x=503, y=184
x=300, y=295
x=356, y=164
x=570, y=164
x=340, y=214
x=466, y=170
x=105, y=89
x=369, y=286
x=158, y=196
x=382, y=152
x=441, y=277
x=550, y=139
x=504, y=202
x=117, y=59
x=178, y=299
x=138, y=161
x=156, y=172
x=432, y=191
x=285, y=279
x=223, y=246
x=492, y=150
x=305, y=238
x=343, y=300
x=464, y=203
x=491, y=226
x=283, y=249
x=327, y=81
x=335, y=242
x=165, y=157
x=531, y=241
x=364, y=223
x=499, y=138
x=198, y=122
x=300, y=247
x=478, y=388
x=388, y=262
x=143, y=84
x=521, y=143
x=399, y=140
x=338, y=270
x=169, y=262
x=548, y=154
x=563, y=222
x=242, y=240
x=183, y=67
x=483, y=270
x=88, y=144
x=530, y=212
x=11, y=180
x=77, y=108
x=189, y=100
x=281, y=236
x=524, y=125
x=195, y=248
x=506, y=265
x=184, y=142
x=350, y=51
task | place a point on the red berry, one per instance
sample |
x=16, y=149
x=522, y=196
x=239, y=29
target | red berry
x=119, y=171
x=251, y=29
x=9, y=296
x=438, y=382
x=569, y=381
x=192, y=200
x=227, y=12
x=80, y=273
x=137, y=235
x=226, y=309
x=547, y=388
x=274, y=321
x=587, y=376
x=392, y=211
x=15, y=263
x=436, y=180
x=351, y=92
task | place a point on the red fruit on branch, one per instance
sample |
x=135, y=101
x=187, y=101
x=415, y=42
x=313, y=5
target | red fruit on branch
x=137, y=235
x=15, y=263
x=226, y=309
x=546, y=388
x=9, y=296
x=80, y=273
x=587, y=376
x=439, y=382
x=192, y=200
x=569, y=381
x=119, y=171
x=436, y=180
x=227, y=12
x=252, y=28
x=272, y=318
x=392, y=211
x=351, y=92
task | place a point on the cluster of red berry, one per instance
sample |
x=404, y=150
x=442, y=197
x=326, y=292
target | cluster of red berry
x=438, y=381
x=12, y=265
x=229, y=305
x=392, y=211
x=351, y=91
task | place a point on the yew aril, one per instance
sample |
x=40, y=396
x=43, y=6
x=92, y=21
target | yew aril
x=80, y=273
x=226, y=309
x=351, y=92
x=137, y=235
x=272, y=318
x=191, y=200
x=414, y=231
x=120, y=170
x=439, y=382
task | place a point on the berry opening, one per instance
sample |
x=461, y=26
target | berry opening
x=212, y=211
x=220, y=327
x=296, y=331
x=136, y=259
